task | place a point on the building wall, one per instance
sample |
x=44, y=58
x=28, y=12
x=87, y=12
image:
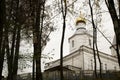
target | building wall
x=67, y=62
x=74, y=60
x=84, y=59
x=79, y=40
x=108, y=62
x=77, y=60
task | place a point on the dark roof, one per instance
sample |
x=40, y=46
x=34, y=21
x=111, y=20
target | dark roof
x=58, y=69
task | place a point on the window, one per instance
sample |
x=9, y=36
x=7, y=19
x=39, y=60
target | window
x=91, y=64
x=115, y=68
x=72, y=43
x=89, y=42
x=105, y=66
x=102, y=66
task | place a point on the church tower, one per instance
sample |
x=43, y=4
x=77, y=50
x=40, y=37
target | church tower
x=81, y=36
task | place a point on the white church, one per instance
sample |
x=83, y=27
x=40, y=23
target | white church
x=81, y=52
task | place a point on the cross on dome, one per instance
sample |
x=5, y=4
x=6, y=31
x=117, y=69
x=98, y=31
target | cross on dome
x=80, y=19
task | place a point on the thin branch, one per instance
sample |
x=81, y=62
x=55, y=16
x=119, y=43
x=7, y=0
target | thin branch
x=106, y=3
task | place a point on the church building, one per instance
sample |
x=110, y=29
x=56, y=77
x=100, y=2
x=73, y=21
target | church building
x=81, y=53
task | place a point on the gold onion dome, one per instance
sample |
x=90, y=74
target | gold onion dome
x=80, y=19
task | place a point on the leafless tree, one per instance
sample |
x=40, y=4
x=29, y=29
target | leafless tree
x=64, y=13
x=95, y=46
x=116, y=23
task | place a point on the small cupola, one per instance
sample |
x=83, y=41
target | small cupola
x=80, y=19
x=80, y=24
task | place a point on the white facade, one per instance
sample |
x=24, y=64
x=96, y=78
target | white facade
x=78, y=40
x=81, y=53
x=83, y=58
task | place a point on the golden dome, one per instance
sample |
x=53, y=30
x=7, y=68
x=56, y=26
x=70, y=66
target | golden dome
x=80, y=19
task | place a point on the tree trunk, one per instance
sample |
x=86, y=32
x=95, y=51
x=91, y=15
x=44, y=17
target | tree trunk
x=32, y=8
x=95, y=63
x=33, y=68
x=2, y=20
x=2, y=59
x=64, y=12
x=95, y=47
x=2, y=35
x=100, y=63
x=116, y=24
x=11, y=56
x=37, y=33
x=94, y=40
x=7, y=49
x=15, y=63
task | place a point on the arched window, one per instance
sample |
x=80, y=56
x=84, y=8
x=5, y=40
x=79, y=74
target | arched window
x=89, y=42
x=115, y=68
x=91, y=64
x=102, y=66
x=73, y=43
x=105, y=66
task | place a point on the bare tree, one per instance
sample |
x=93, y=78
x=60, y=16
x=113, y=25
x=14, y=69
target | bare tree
x=2, y=34
x=38, y=16
x=116, y=23
x=64, y=12
x=95, y=46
